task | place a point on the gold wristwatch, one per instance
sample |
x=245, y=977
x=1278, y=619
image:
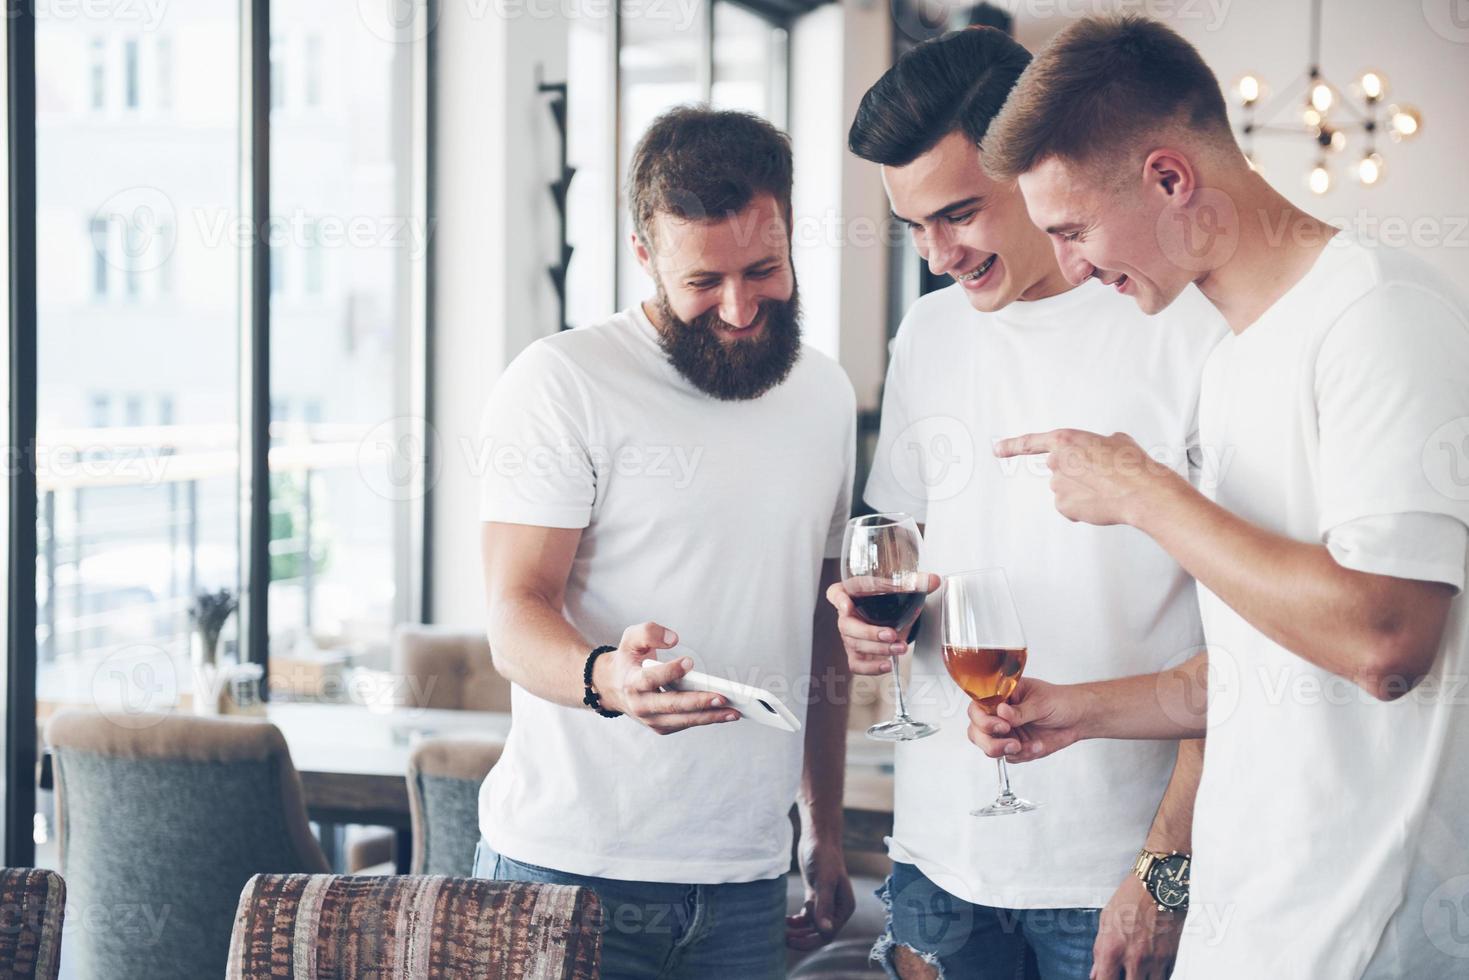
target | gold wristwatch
x=1165, y=876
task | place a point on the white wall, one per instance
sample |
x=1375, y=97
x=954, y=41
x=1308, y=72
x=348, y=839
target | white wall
x=495, y=236
x=837, y=52
x=1423, y=202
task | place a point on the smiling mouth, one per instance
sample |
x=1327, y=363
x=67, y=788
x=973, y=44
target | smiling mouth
x=977, y=273
x=744, y=331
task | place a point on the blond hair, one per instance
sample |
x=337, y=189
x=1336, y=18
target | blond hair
x=1098, y=91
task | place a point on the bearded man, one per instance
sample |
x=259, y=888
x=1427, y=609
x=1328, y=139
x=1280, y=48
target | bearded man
x=677, y=476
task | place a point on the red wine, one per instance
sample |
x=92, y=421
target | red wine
x=889, y=607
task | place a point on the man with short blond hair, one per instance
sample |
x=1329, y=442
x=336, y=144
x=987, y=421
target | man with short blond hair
x=1331, y=825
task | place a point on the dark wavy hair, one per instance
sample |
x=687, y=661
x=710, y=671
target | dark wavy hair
x=703, y=164
x=954, y=82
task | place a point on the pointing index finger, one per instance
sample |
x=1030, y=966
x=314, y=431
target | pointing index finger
x=1030, y=444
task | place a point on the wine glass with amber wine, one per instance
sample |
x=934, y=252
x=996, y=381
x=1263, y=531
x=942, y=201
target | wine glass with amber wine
x=984, y=651
x=880, y=574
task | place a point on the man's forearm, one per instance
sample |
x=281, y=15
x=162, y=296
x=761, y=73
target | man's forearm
x=1172, y=704
x=823, y=774
x=1292, y=591
x=1172, y=828
x=535, y=647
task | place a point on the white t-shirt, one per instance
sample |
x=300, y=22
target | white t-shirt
x=1331, y=830
x=1095, y=602
x=709, y=517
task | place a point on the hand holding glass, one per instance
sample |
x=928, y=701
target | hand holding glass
x=880, y=574
x=985, y=651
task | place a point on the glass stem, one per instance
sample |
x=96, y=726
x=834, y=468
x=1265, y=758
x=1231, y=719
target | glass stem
x=1005, y=793
x=902, y=702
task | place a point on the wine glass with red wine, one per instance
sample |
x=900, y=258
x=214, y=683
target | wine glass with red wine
x=984, y=651
x=880, y=573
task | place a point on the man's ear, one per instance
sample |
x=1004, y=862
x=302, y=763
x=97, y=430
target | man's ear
x=1170, y=173
x=642, y=254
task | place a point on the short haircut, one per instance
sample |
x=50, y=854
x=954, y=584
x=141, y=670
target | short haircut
x=1096, y=92
x=701, y=164
x=956, y=82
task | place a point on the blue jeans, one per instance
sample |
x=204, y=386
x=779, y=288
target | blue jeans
x=660, y=930
x=976, y=942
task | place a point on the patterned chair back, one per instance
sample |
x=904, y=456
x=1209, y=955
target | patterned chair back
x=410, y=926
x=32, y=903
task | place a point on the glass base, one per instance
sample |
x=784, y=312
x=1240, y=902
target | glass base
x=1009, y=803
x=901, y=730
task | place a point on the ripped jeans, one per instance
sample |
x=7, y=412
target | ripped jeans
x=976, y=942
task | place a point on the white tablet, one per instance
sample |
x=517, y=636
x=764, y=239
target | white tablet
x=754, y=703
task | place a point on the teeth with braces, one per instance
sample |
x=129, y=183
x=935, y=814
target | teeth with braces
x=970, y=277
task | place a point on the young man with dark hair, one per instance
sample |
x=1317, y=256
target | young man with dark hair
x=1012, y=343
x=645, y=468
x=1332, y=821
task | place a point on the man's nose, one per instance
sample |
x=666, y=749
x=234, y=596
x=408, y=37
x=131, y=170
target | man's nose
x=941, y=252
x=1076, y=269
x=739, y=305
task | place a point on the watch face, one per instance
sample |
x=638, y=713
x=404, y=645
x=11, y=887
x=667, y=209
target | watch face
x=1169, y=879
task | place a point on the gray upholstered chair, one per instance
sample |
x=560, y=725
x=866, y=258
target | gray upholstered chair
x=167, y=817
x=405, y=928
x=33, y=903
x=444, y=776
x=843, y=959
x=443, y=667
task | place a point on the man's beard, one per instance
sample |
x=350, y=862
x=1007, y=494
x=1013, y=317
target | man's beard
x=736, y=370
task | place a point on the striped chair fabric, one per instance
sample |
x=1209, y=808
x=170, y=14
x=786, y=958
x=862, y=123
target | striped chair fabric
x=32, y=902
x=411, y=926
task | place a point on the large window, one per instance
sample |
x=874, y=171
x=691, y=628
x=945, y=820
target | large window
x=346, y=235
x=145, y=336
x=138, y=338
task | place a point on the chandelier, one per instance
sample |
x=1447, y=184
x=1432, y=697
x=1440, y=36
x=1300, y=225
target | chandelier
x=1326, y=113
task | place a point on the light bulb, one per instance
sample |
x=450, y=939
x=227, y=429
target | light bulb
x=1248, y=89
x=1321, y=96
x=1403, y=122
x=1373, y=86
x=1370, y=169
x=1319, y=180
x=1312, y=118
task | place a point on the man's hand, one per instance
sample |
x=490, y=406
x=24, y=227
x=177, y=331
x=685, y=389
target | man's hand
x=1134, y=940
x=829, y=900
x=624, y=685
x=1038, y=719
x=870, y=649
x=1097, y=479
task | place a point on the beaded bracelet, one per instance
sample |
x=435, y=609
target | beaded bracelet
x=591, y=698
